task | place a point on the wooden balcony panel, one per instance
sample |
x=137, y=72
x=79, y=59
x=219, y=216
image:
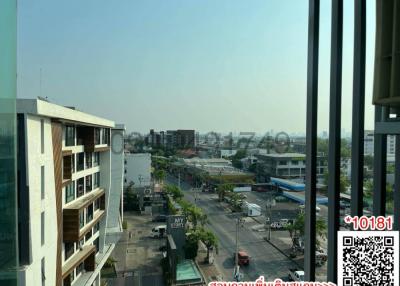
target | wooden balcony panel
x=102, y=149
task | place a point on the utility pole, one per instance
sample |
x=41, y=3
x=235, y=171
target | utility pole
x=179, y=179
x=236, y=272
x=270, y=204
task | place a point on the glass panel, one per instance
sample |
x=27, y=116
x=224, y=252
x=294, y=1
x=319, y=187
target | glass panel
x=8, y=221
x=81, y=162
x=96, y=159
x=80, y=187
x=96, y=136
x=96, y=181
x=69, y=135
x=89, y=215
x=88, y=183
x=81, y=219
x=70, y=192
x=68, y=250
x=88, y=160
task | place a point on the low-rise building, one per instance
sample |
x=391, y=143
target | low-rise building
x=286, y=165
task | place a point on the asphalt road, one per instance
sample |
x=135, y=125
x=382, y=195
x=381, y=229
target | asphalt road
x=264, y=258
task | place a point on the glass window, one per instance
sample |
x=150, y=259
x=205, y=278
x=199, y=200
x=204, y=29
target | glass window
x=88, y=183
x=88, y=160
x=81, y=219
x=294, y=162
x=42, y=225
x=79, y=269
x=96, y=136
x=70, y=192
x=96, y=227
x=69, y=249
x=96, y=180
x=96, y=204
x=89, y=213
x=96, y=159
x=107, y=136
x=81, y=162
x=97, y=244
x=42, y=184
x=80, y=187
x=69, y=135
x=88, y=235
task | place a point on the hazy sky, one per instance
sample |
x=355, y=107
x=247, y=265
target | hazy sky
x=208, y=65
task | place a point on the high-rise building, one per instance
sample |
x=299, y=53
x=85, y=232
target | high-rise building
x=70, y=182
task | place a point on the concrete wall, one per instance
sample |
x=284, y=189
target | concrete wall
x=35, y=159
x=117, y=175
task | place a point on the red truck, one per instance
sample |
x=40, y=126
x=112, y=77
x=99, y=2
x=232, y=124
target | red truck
x=244, y=258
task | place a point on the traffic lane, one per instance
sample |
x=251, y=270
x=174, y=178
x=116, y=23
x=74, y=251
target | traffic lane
x=265, y=259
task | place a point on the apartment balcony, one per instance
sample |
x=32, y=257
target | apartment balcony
x=90, y=138
x=72, y=229
x=87, y=255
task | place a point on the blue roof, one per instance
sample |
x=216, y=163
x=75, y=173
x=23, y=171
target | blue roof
x=288, y=185
x=300, y=198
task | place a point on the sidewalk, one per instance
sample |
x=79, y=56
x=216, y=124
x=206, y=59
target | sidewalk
x=210, y=272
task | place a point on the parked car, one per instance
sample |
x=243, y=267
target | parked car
x=159, y=231
x=243, y=258
x=277, y=225
x=160, y=218
x=296, y=274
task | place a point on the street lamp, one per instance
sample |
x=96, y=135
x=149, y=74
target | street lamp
x=270, y=203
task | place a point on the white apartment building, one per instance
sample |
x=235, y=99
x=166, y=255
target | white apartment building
x=138, y=169
x=70, y=177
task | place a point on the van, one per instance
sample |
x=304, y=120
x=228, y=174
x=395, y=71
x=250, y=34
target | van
x=159, y=231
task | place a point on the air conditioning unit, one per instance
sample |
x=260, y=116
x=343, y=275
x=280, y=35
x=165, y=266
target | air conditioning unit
x=387, y=54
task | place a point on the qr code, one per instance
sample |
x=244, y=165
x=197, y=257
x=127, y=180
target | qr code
x=368, y=258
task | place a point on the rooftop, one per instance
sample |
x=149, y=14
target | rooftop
x=52, y=110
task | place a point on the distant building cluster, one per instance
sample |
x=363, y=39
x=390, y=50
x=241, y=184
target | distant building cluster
x=171, y=139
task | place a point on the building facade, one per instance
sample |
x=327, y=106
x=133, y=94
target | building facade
x=69, y=184
x=172, y=139
x=286, y=166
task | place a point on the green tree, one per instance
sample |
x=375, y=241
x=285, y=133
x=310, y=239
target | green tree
x=253, y=167
x=193, y=214
x=236, y=201
x=159, y=175
x=223, y=189
x=297, y=229
x=369, y=161
x=236, y=159
x=209, y=239
x=174, y=191
x=344, y=182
